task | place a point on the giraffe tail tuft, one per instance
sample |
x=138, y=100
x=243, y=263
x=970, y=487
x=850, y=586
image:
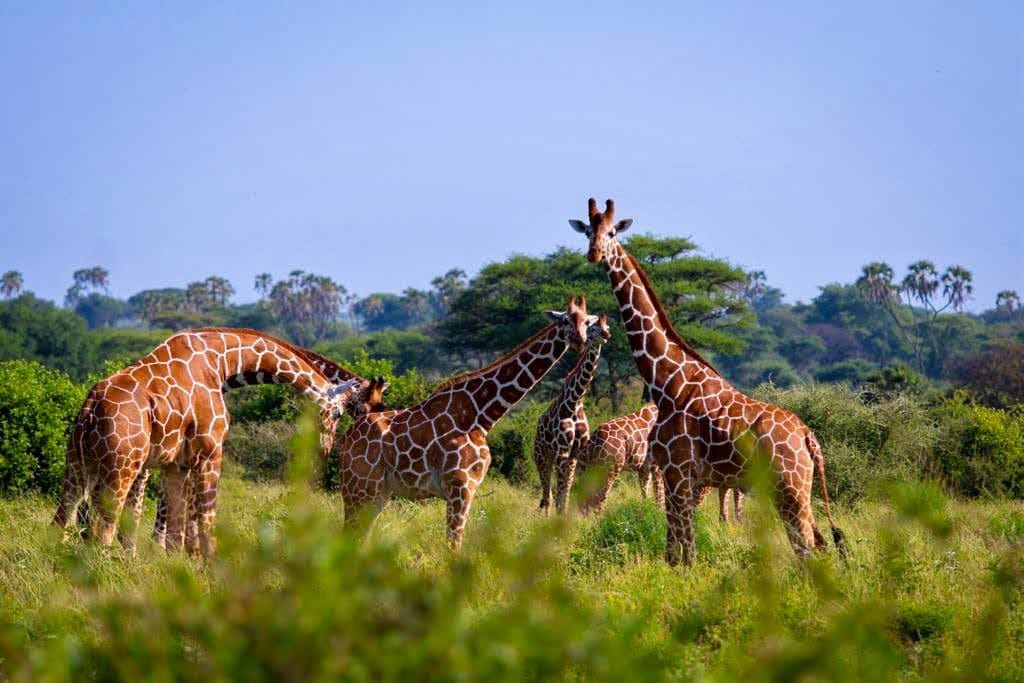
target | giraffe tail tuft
x=838, y=537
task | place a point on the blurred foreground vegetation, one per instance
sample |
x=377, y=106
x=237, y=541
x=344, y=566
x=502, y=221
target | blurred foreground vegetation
x=932, y=590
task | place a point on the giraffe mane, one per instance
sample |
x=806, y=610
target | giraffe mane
x=470, y=374
x=662, y=314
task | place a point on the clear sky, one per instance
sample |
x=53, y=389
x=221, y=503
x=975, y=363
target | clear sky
x=382, y=144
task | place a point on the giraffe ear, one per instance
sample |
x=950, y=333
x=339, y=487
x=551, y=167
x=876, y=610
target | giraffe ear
x=623, y=225
x=555, y=316
x=579, y=226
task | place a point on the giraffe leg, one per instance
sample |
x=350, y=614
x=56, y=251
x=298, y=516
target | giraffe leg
x=643, y=477
x=206, y=476
x=160, y=523
x=737, y=503
x=76, y=490
x=459, y=497
x=174, y=506
x=723, y=504
x=544, y=467
x=598, y=501
x=565, y=475
x=192, y=516
x=682, y=496
x=136, y=497
x=795, y=509
x=658, y=480
x=109, y=496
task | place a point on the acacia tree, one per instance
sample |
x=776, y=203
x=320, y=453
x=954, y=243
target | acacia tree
x=914, y=306
x=11, y=284
x=504, y=304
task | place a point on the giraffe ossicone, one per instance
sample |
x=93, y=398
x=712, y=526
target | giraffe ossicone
x=707, y=432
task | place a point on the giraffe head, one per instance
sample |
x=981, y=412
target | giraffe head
x=370, y=399
x=572, y=323
x=339, y=396
x=601, y=229
x=599, y=332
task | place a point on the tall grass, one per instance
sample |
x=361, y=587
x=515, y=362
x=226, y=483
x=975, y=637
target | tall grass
x=931, y=590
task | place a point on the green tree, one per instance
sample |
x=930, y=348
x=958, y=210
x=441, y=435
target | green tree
x=10, y=284
x=503, y=304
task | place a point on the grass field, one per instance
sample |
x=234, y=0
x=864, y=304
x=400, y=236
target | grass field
x=931, y=590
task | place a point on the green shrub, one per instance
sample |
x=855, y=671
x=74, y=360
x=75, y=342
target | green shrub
x=261, y=447
x=981, y=451
x=37, y=411
x=633, y=530
x=863, y=440
x=509, y=456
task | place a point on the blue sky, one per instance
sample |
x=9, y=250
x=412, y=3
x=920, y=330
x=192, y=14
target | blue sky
x=382, y=144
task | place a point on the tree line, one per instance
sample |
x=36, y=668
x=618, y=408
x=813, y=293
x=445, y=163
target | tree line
x=849, y=332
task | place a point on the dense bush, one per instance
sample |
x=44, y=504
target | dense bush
x=260, y=447
x=37, y=410
x=862, y=440
x=981, y=451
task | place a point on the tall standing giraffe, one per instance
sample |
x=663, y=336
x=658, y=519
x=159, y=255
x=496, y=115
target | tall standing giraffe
x=707, y=432
x=439, y=447
x=563, y=427
x=167, y=410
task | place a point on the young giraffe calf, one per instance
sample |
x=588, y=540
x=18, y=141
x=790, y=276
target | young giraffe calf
x=563, y=427
x=619, y=444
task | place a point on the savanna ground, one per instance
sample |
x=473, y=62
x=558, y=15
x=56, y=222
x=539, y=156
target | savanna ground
x=931, y=590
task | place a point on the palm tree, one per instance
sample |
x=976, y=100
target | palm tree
x=11, y=283
x=219, y=289
x=875, y=282
x=1007, y=301
x=957, y=287
x=264, y=283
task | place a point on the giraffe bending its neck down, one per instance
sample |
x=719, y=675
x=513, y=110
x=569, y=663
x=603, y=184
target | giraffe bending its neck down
x=167, y=410
x=366, y=397
x=563, y=426
x=439, y=448
x=621, y=444
x=707, y=432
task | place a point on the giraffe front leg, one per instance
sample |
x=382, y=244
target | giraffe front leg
x=459, y=496
x=566, y=474
x=544, y=466
x=597, y=502
x=207, y=478
x=723, y=504
x=173, y=503
x=192, y=516
x=737, y=502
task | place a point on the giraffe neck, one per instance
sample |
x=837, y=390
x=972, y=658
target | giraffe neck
x=500, y=385
x=650, y=332
x=579, y=380
x=246, y=358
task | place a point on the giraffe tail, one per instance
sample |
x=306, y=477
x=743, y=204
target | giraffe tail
x=838, y=537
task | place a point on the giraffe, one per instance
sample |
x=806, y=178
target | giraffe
x=369, y=398
x=439, y=447
x=167, y=410
x=706, y=432
x=618, y=444
x=563, y=426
